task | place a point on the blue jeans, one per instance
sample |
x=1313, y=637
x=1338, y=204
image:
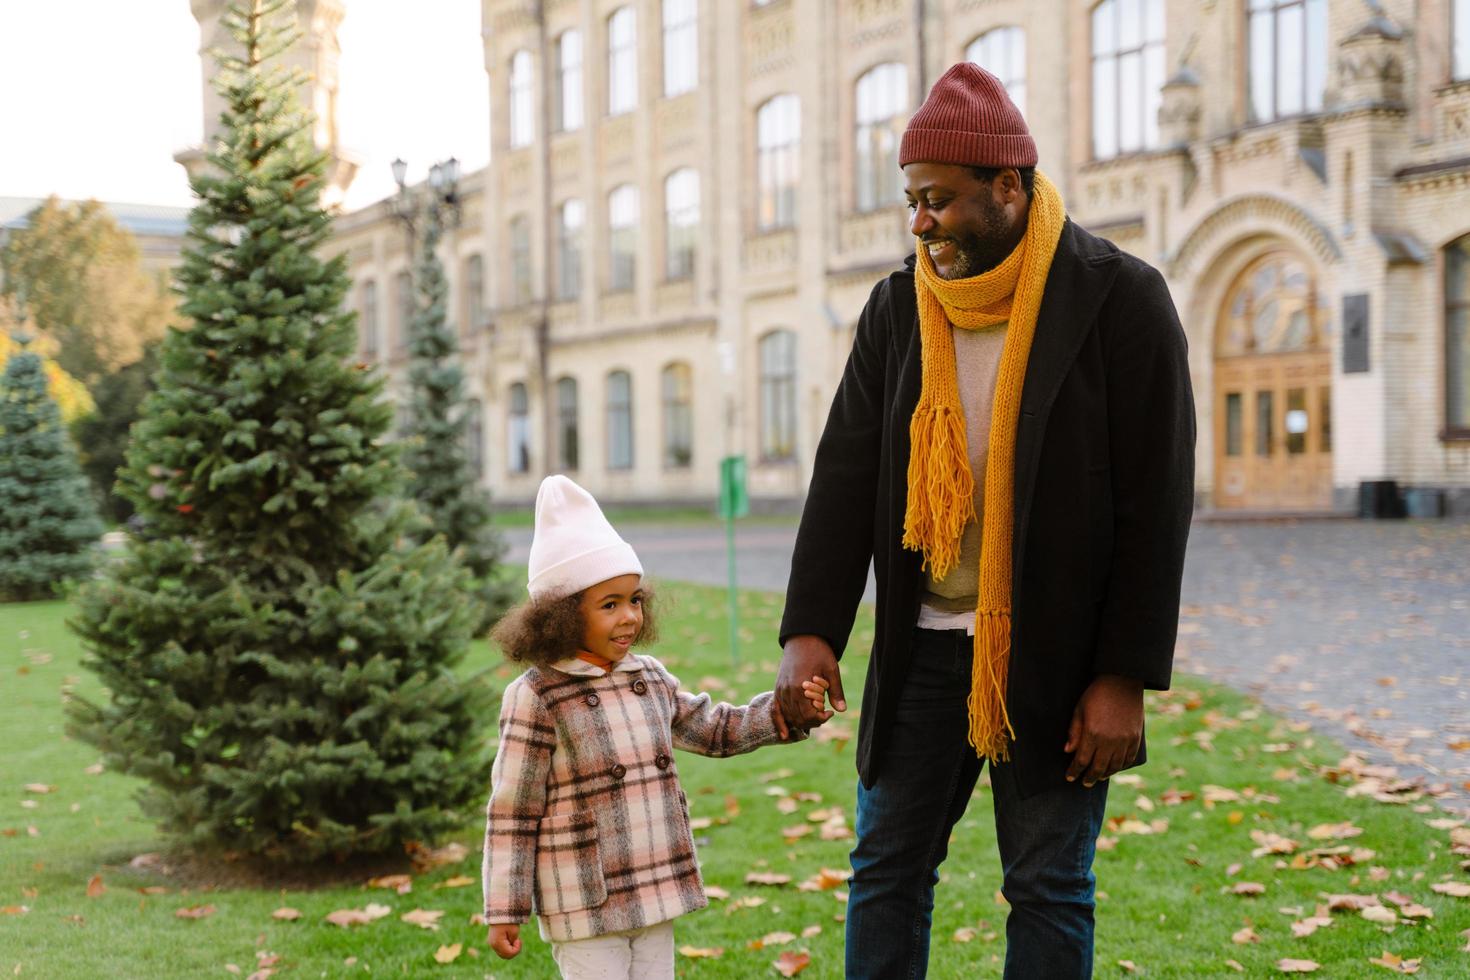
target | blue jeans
x=924, y=781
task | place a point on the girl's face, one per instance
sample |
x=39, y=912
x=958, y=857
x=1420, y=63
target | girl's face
x=612, y=612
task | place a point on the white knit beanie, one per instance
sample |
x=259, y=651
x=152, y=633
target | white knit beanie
x=573, y=546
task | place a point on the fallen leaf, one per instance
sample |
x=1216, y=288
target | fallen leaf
x=1457, y=889
x=458, y=881
x=426, y=858
x=1334, y=831
x=771, y=939
x=767, y=878
x=95, y=887
x=810, y=931
x=1248, y=888
x=1351, y=903
x=1128, y=966
x=93, y=770
x=1395, y=963
x=14, y=909
x=423, y=918
x=355, y=917
x=1306, y=927
x=715, y=892
x=194, y=912
x=402, y=884
x=1235, y=965
x=1380, y=914
x=1246, y=935
x=789, y=964
x=701, y=953
x=232, y=968
x=448, y=954
x=796, y=832
x=1415, y=911
x=1297, y=966
x=286, y=914
x=40, y=789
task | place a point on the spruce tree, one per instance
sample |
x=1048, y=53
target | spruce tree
x=48, y=524
x=435, y=433
x=278, y=647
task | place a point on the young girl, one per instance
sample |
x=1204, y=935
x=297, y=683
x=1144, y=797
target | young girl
x=586, y=821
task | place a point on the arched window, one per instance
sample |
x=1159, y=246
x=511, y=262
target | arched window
x=404, y=303
x=570, y=218
x=778, y=161
x=474, y=437
x=566, y=423
x=518, y=430
x=619, y=421
x=882, y=98
x=474, y=295
x=1127, y=75
x=681, y=46
x=622, y=61
x=569, y=81
x=681, y=222
x=1457, y=336
x=368, y=319
x=1288, y=57
x=522, y=103
x=520, y=260
x=1002, y=52
x=778, y=395
x=677, y=383
x=622, y=237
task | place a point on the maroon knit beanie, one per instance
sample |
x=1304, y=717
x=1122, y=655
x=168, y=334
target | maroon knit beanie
x=968, y=120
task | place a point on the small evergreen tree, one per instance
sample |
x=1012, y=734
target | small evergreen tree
x=278, y=649
x=48, y=524
x=435, y=434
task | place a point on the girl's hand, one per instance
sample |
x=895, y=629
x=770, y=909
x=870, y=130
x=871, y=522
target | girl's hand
x=815, y=691
x=505, y=939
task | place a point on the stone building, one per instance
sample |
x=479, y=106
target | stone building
x=690, y=200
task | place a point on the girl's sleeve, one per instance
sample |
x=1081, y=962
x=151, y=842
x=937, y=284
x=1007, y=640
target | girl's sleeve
x=704, y=727
x=517, y=802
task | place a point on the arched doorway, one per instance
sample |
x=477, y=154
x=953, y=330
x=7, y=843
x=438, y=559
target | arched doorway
x=1273, y=390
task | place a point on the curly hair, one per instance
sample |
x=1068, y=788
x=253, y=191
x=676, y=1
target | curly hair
x=543, y=631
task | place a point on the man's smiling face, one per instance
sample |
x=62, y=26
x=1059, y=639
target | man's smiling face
x=968, y=224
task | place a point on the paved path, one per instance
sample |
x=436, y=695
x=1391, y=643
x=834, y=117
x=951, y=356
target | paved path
x=1362, y=628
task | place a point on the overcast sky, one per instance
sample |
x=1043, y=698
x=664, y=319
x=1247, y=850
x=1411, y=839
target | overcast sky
x=99, y=94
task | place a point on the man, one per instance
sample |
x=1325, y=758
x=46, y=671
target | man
x=1012, y=446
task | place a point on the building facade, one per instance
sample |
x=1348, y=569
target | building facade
x=689, y=202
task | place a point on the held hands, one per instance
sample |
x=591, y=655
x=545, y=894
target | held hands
x=806, y=659
x=505, y=939
x=1106, y=729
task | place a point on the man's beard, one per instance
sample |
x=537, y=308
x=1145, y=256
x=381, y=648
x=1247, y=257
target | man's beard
x=981, y=251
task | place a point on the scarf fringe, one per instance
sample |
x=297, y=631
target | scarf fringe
x=939, y=468
x=990, y=725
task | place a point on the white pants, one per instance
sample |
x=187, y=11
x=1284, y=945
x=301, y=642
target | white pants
x=638, y=954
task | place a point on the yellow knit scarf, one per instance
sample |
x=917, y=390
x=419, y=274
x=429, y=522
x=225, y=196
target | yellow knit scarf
x=941, y=488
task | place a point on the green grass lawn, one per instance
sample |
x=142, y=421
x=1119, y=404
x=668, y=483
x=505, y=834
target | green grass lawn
x=1165, y=902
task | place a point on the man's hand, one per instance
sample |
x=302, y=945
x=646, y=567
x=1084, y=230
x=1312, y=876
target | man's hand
x=803, y=658
x=505, y=939
x=1106, y=729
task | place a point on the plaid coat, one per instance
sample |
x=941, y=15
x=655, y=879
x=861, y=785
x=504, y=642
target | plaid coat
x=586, y=817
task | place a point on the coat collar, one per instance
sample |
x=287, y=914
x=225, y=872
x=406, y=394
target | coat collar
x=581, y=668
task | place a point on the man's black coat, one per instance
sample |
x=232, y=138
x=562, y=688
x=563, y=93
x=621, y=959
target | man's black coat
x=1104, y=484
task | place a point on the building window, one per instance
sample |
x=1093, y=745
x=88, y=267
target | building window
x=622, y=237
x=518, y=431
x=474, y=437
x=778, y=145
x=677, y=382
x=522, y=105
x=681, y=47
x=404, y=304
x=368, y=320
x=566, y=423
x=619, y=421
x=622, y=62
x=1127, y=75
x=569, y=81
x=778, y=395
x=1002, y=52
x=520, y=260
x=570, y=218
x=1288, y=57
x=1457, y=335
x=474, y=294
x=1460, y=30
x=882, y=98
x=681, y=222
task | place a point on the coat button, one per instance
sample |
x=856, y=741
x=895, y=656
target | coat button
x=619, y=771
x=662, y=761
x=639, y=687
x=593, y=700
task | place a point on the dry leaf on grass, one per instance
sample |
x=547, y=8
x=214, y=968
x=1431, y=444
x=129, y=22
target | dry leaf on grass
x=1416, y=911
x=424, y=918
x=1334, y=831
x=448, y=954
x=357, y=917
x=1289, y=965
x=965, y=935
x=1380, y=914
x=40, y=789
x=810, y=931
x=1235, y=965
x=715, y=892
x=1351, y=903
x=1248, y=888
x=790, y=964
x=195, y=912
x=767, y=878
x=1306, y=927
x=402, y=884
x=1456, y=889
x=427, y=858
x=1246, y=935
x=1128, y=966
x=14, y=909
x=286, y=914
x=701, y=953
x=95, y=887
x=1395, y=963
x=458, y=881
x=771, y=939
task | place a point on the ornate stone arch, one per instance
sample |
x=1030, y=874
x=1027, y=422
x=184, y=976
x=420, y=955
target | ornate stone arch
x=1251, y=215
